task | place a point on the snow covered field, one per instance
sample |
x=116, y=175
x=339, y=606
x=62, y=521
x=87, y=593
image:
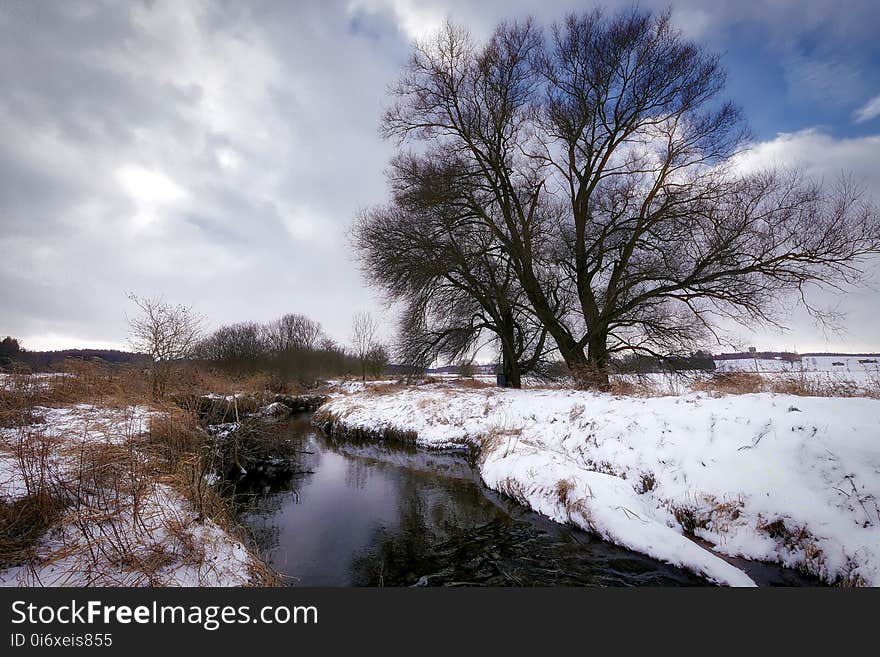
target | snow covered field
x=835, y=364
x=136, y=532
x=780, y=478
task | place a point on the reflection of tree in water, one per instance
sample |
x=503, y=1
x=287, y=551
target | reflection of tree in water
x=397, y=556
x=450, y=533
x=357, y=473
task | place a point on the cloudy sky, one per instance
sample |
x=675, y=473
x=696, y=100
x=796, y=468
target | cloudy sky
x=215, y=152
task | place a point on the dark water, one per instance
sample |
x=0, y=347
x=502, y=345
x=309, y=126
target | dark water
x=342, y=513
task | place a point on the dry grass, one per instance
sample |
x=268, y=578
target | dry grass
x=799, y=542
x=731, y=383
x=513, y=489
x=647, y=482
x=382, y=389
x=563, y=490
x=631, y=386
x=707, y=512
x=799, y=383
x=472, y=384
x=100, y=495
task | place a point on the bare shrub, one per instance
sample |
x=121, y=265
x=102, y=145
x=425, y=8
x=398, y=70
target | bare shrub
x=167, y=333
x=647, y=482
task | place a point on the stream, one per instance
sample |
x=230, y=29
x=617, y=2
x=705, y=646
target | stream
x=350, y=513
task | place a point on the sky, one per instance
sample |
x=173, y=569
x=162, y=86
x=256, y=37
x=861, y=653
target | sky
x=215, y=153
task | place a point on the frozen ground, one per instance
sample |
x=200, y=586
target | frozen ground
x=788, y=479
x=136, y=532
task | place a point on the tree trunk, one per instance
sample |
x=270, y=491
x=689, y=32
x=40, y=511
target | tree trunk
x=597, y=359
x=509, y=357
x=511, y=371
x=589, y=369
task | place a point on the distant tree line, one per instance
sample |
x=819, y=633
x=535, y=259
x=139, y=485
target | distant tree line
x=293, y=346
x=640, y=363
x=15, y=357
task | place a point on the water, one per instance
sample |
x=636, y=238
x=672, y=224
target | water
x=346, y=513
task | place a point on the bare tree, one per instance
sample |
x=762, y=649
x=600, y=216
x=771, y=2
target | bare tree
x=293, y=331
x=377, y=360
x=428, y=251
x=601, y=163
x=241, y=346
x=363, y=339
x=166, y=332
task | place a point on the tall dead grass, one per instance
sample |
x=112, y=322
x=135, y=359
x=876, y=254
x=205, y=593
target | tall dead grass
x=800, y=383
x=103, y=496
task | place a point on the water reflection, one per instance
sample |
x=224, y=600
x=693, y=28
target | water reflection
x=366, y=514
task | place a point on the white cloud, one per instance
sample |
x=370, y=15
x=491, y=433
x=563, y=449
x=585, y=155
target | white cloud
x=825, y=157
x=820, y=155
x=234, y=143
x=868, y=111
x=149, y=186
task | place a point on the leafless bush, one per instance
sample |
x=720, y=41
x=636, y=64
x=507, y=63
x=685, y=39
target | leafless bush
x=167, y=333
x=363, y=339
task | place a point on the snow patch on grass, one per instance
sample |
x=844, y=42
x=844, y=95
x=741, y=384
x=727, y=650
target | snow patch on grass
x=117, y=523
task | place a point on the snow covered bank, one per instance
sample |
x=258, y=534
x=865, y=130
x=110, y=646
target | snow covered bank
x=787, y=479
x=157, y=540
x=116, y=524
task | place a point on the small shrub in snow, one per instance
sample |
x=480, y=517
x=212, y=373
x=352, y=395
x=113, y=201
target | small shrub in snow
x=646, y=483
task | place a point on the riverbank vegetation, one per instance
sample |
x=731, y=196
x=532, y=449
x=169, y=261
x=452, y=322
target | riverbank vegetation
x=102, y=485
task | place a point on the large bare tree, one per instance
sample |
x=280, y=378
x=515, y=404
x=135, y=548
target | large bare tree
x=617, y=126
x=428, y=251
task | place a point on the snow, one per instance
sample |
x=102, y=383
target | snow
x=275, y=409
x=788, y=479
x=860, y=372
x=12, y=484
x=156, y=538
x=66, y=429
x=85, y=423
x=24, y=383
x=168, y=545
x=836, y=364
